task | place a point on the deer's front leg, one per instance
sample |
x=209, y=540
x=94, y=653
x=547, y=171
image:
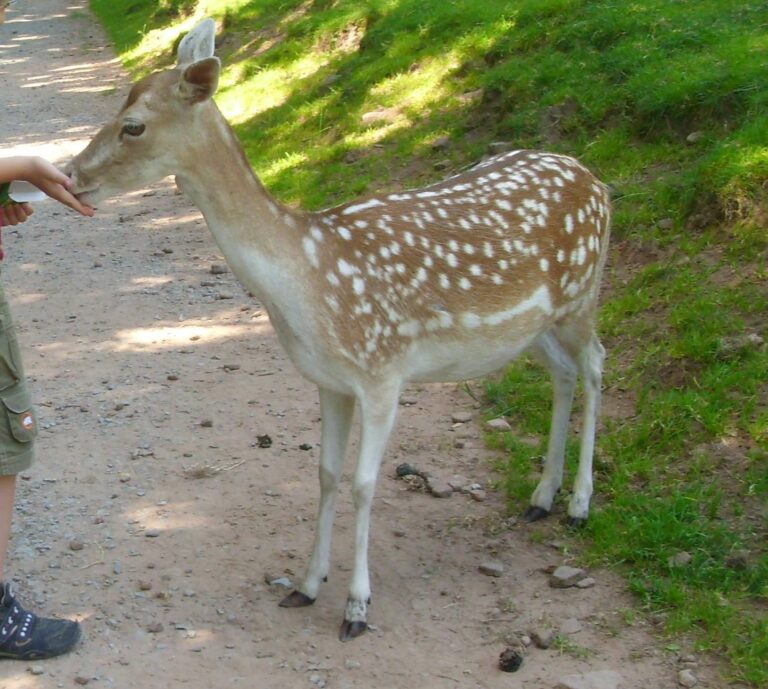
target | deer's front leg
x=336, y=412
x=377, y=418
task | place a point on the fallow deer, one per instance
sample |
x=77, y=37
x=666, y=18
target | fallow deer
x=444, y=283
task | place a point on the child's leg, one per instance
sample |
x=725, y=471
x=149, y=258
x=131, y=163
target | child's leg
x=7, y=497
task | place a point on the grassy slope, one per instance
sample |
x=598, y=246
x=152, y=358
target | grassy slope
x=665, y=100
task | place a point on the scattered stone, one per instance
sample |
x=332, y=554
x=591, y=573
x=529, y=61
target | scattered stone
x=492, y=568
x=219, y=268
x=498, y=424
x=457, y=482
x=305, y=446
x=408, y=400
x=570, y=626
x=350, y=664
x=443, y=164
x=542, y=638
x=441, y=143
x=526, y=640
x=738, y=560
x=680, y=559
x=145, y=585
x=124, y=478
x=283, y=582
x=685, y=678
x=79, y=679
x=76, y=545
x=665, y=224
x=461, y=417
x=318, y=681
x=152, y=533
x=565, y=576
x=510, y=660
x=496, y=147
x=477, y=494
x=36, y=669
x=694, y=137
x=231, y=367
x=155, y=627
x=207, y=423
x=586, y=583
x=438, y=487
x=736, y=345
x=225, y=295
x=263, y=441
x=406, y=469
x=599, y=679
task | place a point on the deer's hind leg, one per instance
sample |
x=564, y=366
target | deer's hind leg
x=563, y=370
x=569, y=350
x=590, y=361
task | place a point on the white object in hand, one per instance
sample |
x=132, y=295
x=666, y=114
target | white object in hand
x=25, y=192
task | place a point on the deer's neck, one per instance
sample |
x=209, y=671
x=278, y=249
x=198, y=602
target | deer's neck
x=259, y=236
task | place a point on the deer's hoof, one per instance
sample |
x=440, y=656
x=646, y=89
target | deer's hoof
x=575, y=523
x=534, y=513
x=350, y=630
x=296, y=599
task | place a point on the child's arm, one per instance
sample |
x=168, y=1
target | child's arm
x=45, y=176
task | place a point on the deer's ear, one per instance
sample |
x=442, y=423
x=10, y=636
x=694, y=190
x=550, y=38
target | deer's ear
x=198, y=44
x=200, y=79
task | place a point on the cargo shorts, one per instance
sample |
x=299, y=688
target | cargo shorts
x=18, y=421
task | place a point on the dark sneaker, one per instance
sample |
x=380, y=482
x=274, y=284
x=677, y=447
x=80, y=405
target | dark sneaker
x=25, y=636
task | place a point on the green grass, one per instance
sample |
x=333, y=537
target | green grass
x=665, y=100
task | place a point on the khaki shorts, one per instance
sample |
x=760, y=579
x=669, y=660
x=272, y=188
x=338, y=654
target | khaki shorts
x=18, y=421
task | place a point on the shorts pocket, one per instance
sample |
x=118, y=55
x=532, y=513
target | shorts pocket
x=22, y=422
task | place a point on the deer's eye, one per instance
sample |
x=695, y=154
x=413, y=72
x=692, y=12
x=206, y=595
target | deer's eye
x=131, y=128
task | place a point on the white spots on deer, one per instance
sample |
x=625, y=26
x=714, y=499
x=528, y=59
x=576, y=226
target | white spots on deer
x=364, y=206
x=310, y=250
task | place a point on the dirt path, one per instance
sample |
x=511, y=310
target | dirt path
x=156, y=531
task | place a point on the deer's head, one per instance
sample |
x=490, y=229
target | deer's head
x=147, y=140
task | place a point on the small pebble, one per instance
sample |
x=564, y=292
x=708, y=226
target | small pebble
x=510, y=660
x=542, y=638
x=439, y=488
x=76, y=545
x=570, y=626
x=206, y=423
x=565, y=576
x=461, y=417
x=686, y=678
x=680, y=559
x=155, y=627
x=498, y=425
x=219, y=268
x=491, y=568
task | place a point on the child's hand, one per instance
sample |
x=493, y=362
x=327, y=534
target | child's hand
x=49, y=179
x=14, y=213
